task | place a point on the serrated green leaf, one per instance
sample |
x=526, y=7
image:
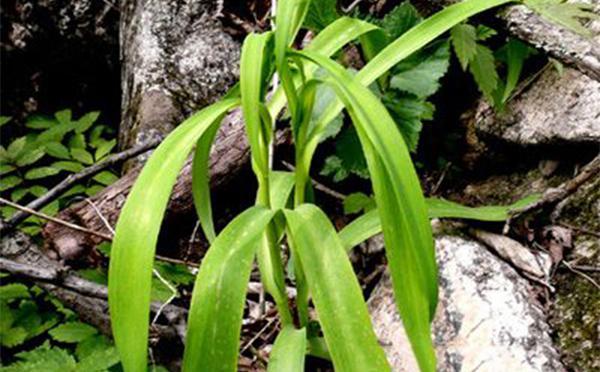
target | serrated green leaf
x=41, y=172
x=335, y=290
x=57, y=150
x=400, y=19
x=30, y=157
x=43, y=359
x=72, y=332
x=566, y=14
x=321, y=14
x=104, y=149
x=82, y=156
x=86, y=121
x=77, y=141
x=464, y=41
x=40, y=122
x=14, y=149
x=333, y=167
x=132, y=253
x=63, y=116
x=13, y=337
x=421, y=77
x=289, y=351
x=69, y=166
x=349, y=151
x=358, y=201
x=9, y=182
x=106, y=178
x=13, y=291
x=217, y=305
x=516, y=53
x=91, y=345
x=483, y=69
x=484, y=32
x=174, y=273
x=99, y=360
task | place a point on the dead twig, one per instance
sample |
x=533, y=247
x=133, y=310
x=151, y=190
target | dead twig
x=554, y=195
x=581, y=274
x=70, y=225
x=72, y=179
x=319, y=186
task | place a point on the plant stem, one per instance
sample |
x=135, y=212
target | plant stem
x=269, y=259
x=301, y=285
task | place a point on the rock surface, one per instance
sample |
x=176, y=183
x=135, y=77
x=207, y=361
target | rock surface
x=556, y=109
x=486, y=318
x=575, y=315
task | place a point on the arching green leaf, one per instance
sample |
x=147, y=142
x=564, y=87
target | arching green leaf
x=289, y=351
x=215, y=317
x=132, y=255
x=335, y=291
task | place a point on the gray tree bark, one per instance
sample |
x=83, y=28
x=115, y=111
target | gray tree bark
x=176, y=58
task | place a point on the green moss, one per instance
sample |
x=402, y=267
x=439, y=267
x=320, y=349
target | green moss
x=575, y=317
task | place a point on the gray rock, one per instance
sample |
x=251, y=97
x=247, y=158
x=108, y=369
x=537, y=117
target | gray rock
x=487, y=320
x=556, y=109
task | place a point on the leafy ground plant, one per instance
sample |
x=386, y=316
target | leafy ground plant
x=29, y=315
x=53, y=146
x=283, y=210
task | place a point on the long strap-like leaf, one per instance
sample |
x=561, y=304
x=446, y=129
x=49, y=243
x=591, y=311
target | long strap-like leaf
x=335, y=291
x=132, y=256
x=215, y=317
x=289, y=351
x=369, y=224
x=409, y=243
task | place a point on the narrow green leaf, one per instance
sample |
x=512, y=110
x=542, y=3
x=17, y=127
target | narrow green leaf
x=409, y=243
x=57, y=150
x=516, y=54
x=85, y=122
x=201, y=183
x=10, y=182
x=217, y=305
x=69, y=166
x=63, y=116
x=368, y=225
x=289, y=349
x=41, y=172
x=106, y=178
x=6, y=168
x=30, y=157
x=336, y=293
x=15, y=147
x=77, y=141
x=104, y=149
x=252, y=64
x=18, y=194
x=82, y=156
x=40, y=122
x=137, y=233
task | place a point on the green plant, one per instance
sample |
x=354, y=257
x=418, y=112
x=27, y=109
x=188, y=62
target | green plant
x=320, y=265
x=30, y=315
x=53, y=146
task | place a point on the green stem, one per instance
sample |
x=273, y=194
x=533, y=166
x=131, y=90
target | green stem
x=301, y=285
x=269, y=259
